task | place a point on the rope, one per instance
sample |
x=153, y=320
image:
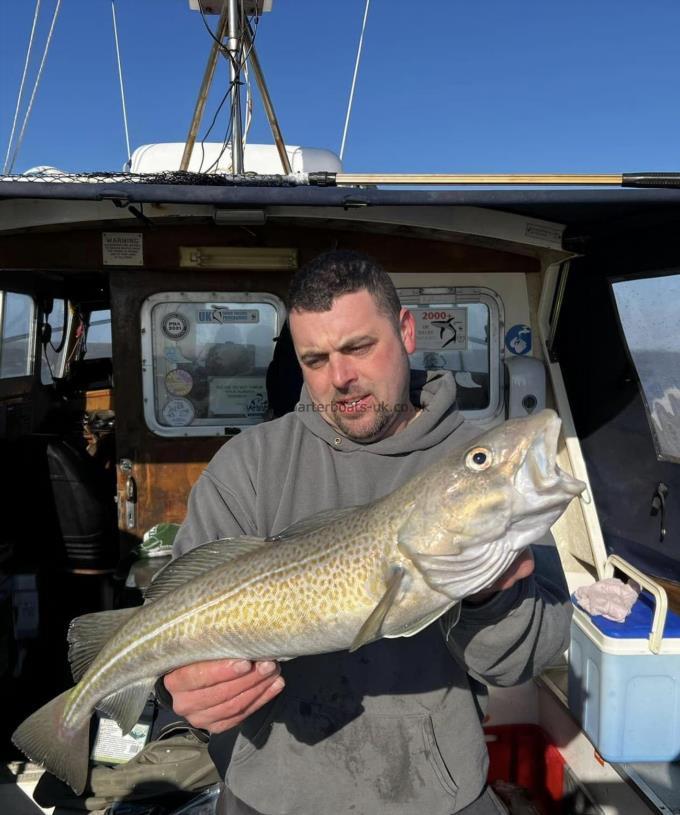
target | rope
x=354, y=80
x=35, y=87
x=21, y=85
x=120, y=78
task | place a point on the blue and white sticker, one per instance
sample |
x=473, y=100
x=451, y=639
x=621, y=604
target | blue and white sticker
x=178, y=412
x=518, y=339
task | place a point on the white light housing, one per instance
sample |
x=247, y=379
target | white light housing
x=264, y=258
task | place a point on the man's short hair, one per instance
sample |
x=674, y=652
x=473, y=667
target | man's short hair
x=332, y=274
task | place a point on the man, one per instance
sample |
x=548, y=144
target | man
x=395, y=727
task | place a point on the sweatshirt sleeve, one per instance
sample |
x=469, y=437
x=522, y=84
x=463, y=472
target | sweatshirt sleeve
x=517, y=633
x=217, y=509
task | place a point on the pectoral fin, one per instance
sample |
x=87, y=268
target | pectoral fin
x=372, y=628
x=422, y=623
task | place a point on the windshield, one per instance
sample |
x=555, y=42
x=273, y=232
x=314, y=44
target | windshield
x=648, y=311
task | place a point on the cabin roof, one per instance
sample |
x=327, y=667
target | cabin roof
x=585, y=211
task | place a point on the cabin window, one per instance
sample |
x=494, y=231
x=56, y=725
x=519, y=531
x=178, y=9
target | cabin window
x=205, y=360
x=18, y=330
x=54, y=352
x=458, y=330
x=98, y=335
x=648, y=314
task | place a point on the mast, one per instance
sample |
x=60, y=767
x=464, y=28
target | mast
x=235, y=47
x=233, y=26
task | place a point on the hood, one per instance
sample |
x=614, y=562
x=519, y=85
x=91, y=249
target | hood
x=433, y=391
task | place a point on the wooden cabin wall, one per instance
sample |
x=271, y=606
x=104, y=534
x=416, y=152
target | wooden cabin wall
x=164, y=469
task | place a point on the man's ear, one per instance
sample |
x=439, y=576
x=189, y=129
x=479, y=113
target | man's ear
x=407, y=329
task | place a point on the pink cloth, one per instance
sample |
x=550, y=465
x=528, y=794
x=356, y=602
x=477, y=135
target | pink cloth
x=611, y=598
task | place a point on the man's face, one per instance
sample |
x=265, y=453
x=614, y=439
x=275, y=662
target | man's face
x=355, y=365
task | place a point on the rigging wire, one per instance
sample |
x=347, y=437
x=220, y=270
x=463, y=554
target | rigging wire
x=354, y=80
x=35, y=88
x=120, y=78
x=241, y=65
x=212, y=124
x=36, y=14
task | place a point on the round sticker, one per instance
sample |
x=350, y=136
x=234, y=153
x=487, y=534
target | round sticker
x=178, y=412
x=175, y=326
x=518, y=339
x=179, y=382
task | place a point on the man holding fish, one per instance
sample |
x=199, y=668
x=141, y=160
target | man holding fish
x=395, y=726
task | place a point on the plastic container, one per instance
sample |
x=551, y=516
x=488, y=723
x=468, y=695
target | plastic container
x=624, y=678
x=523, y=754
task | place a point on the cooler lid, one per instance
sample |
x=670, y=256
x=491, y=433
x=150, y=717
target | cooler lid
x=638, y=624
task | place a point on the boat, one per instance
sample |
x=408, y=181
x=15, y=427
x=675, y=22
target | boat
x=140, y=313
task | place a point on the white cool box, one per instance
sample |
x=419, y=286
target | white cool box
x=624, y=678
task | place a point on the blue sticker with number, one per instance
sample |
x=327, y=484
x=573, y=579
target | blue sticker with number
x=518, y=339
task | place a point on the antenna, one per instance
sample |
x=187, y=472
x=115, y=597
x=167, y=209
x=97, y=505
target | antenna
x=354, y=80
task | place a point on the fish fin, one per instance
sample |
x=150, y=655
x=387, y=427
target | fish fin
x=89, y=633
x=197, y=562
x=372, y=628
x=126, y=705
x=422, y=623
x=42, y=739
x=314, y=523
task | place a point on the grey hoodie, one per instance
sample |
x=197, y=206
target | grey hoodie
x=394, y=727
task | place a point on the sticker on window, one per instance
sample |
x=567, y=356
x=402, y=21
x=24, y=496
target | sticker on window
x=229, y=315
x=440, y=329
x=178, y=412
x=175, y=326
x=237, y=396
x=178, y=382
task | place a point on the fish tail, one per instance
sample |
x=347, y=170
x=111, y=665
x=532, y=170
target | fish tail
x=63, y=752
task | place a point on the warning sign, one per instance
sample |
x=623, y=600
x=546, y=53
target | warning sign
x=122, y=249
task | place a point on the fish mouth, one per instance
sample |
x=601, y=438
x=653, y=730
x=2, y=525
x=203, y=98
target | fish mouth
x=539, y=480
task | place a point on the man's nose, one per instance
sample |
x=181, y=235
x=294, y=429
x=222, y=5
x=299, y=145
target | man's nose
x=342, y=372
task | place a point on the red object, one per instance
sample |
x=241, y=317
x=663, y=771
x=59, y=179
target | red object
x=524, y=755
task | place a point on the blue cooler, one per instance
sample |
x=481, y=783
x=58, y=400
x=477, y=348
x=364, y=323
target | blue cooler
x=624, y=678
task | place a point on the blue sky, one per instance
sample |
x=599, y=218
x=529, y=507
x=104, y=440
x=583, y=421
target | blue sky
x=485, y=86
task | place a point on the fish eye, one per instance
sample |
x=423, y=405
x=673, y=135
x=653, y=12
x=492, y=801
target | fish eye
x=478, y=459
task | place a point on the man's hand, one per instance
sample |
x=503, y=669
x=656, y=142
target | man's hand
x=219, y=694
x=522, y=566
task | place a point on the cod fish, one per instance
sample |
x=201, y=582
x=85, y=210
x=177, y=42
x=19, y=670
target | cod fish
x=338, y=580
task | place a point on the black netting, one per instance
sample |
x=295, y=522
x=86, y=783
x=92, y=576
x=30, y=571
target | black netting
x=176, y=177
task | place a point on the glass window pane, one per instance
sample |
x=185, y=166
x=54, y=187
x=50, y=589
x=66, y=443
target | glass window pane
x=455, y=337
x=210, y=361
x=17, y=333
x=99, y=335
x=53, y=354
x=648, y=311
